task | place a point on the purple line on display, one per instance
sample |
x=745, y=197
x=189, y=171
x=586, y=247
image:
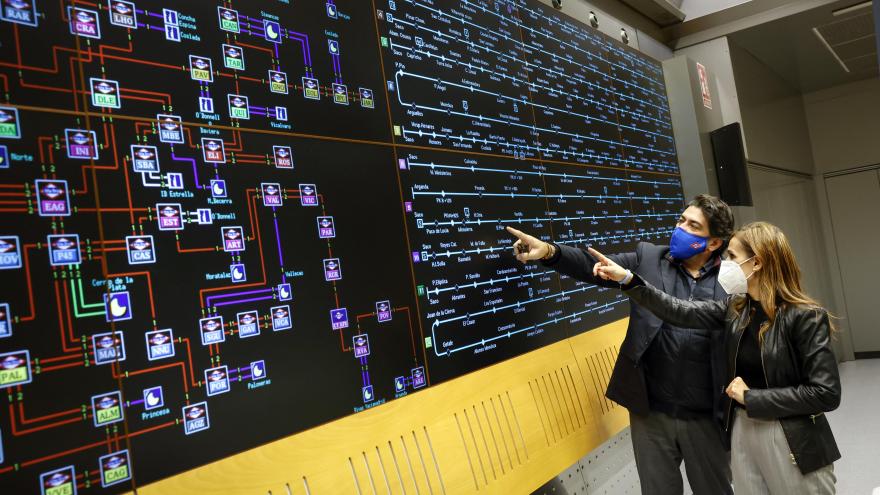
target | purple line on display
x=195, y=169
x=236, y=294
x=156, y=15
x=136, y=402
x=265, y=111
x=304, y=39
x=277, y=57
x=365, y=375
x=278, y=239
x=242, y=301
x=254, y=24
x=154, y=28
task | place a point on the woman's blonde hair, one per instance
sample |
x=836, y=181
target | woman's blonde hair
x=779, y=279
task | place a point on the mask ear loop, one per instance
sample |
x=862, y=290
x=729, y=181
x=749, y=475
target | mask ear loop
x=753, y=269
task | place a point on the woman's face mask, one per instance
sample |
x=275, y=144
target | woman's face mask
x=732, y=278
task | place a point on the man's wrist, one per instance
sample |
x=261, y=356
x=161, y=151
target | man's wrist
x=551, y=250
x=628, y=278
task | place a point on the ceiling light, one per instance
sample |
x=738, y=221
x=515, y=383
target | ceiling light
x=825, y=42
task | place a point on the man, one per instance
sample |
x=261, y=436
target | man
x=664, y=374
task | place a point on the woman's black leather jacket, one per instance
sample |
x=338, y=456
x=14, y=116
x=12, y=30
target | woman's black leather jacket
x=803, y=381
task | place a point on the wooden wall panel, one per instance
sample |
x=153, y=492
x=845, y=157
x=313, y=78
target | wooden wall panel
x=504, y=429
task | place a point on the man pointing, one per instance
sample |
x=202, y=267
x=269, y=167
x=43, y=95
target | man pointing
x=664, y=378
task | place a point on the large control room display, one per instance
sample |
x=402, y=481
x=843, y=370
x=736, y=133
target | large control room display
x=223, y=223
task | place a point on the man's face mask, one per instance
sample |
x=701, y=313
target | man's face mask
x=683, y=244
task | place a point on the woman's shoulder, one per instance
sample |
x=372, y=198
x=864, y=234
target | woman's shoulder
x=805, y=319
x=802, y=310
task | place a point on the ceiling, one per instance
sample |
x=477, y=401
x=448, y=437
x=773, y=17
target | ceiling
x=662, y=12
x=667, y=13
x=810, y=49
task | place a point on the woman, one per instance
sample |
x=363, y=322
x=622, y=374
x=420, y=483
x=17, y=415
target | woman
x=782, y=373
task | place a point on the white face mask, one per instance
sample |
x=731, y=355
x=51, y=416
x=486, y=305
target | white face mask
x=732, y=278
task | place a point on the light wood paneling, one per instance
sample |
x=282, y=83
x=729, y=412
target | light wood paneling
x=504, y=429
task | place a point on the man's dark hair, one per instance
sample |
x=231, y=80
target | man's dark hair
x=717, y=213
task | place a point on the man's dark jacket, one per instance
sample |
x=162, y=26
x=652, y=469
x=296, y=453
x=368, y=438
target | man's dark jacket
x=627, y=386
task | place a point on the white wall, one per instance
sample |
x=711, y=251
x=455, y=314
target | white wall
x=844, y=125
x=854, y=199
x=715, y=56
x=689, y=119
x=773, y=117
x=789, y=201
x=777, y=133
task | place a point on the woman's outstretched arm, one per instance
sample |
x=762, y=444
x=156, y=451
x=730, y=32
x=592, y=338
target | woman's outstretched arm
x=679, y=312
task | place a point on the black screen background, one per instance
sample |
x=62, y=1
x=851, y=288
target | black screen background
x=569, y=176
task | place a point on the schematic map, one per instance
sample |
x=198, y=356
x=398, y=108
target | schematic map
x=223, y=223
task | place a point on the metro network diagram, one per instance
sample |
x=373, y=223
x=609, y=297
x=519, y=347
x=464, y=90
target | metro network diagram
x=222, y=223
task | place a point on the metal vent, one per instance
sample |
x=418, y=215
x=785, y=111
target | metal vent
x=852, y=42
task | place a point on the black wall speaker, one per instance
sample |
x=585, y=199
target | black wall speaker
x=730, y=165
